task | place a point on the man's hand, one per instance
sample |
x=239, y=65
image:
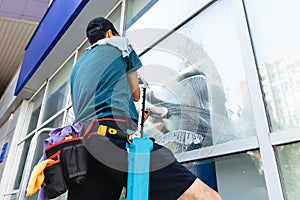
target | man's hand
x=146, y=114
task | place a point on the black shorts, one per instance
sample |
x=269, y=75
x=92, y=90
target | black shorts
x=107, y=172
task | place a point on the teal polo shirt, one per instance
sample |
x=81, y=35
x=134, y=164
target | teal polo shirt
x=99, y=86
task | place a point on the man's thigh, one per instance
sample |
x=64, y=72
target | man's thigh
x=170, y=182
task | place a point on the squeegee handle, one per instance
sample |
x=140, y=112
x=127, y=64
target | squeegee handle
x=142, y=113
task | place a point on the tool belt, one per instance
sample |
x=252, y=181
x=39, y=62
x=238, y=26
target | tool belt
x=69, y=166
x=110, y=127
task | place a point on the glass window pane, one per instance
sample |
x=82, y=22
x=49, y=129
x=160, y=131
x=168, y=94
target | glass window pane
x=10, y=197
x=198, y=74
x=58, y=90
x=115, y=17
x=135, y=9
x=55, y=123
x=70, y=117
x=36, y=103
x=25, y=148
x=289, y=169
x=277, y=46
x=81, y=50
x=236, y=177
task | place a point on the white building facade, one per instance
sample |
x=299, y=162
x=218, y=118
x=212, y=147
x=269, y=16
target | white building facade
x=228, y=71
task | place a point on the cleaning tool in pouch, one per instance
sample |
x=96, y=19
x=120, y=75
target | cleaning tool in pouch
x=69, y=166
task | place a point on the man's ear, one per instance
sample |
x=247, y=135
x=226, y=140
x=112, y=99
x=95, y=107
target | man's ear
x=109, y=33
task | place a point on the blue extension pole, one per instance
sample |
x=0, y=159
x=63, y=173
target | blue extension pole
x=139, y=160
x=138, y=168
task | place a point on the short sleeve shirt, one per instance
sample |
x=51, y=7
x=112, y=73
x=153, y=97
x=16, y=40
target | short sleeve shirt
x=99, y=86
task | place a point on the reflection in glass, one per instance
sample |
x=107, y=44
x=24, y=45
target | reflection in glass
x=55, y=101
x=36, y=103
x=134, y=8
x=82, y=49
x=236, y=177
x=289, y=169
x=70, y=117
x=277, y=46
x=198, y=74
x=115, y=17
x=25, y=148
x=58, y=90
x=55, y=123
x=10, y=197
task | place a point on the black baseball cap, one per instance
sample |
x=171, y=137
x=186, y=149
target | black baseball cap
x=100, y=23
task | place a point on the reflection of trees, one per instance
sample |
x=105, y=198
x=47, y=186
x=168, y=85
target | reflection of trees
x=280, y=79
x=289, y=169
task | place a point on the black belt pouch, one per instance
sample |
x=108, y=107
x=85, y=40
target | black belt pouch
x=69, y=168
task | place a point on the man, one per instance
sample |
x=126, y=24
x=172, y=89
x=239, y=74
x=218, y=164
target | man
x=104, y=86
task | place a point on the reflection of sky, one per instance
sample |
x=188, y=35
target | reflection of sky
x=163, y=58
x=157, y=16
x=274, y=26
x=216, y=30
x=160, y=67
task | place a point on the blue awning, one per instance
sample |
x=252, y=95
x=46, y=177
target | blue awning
x=55, y=22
